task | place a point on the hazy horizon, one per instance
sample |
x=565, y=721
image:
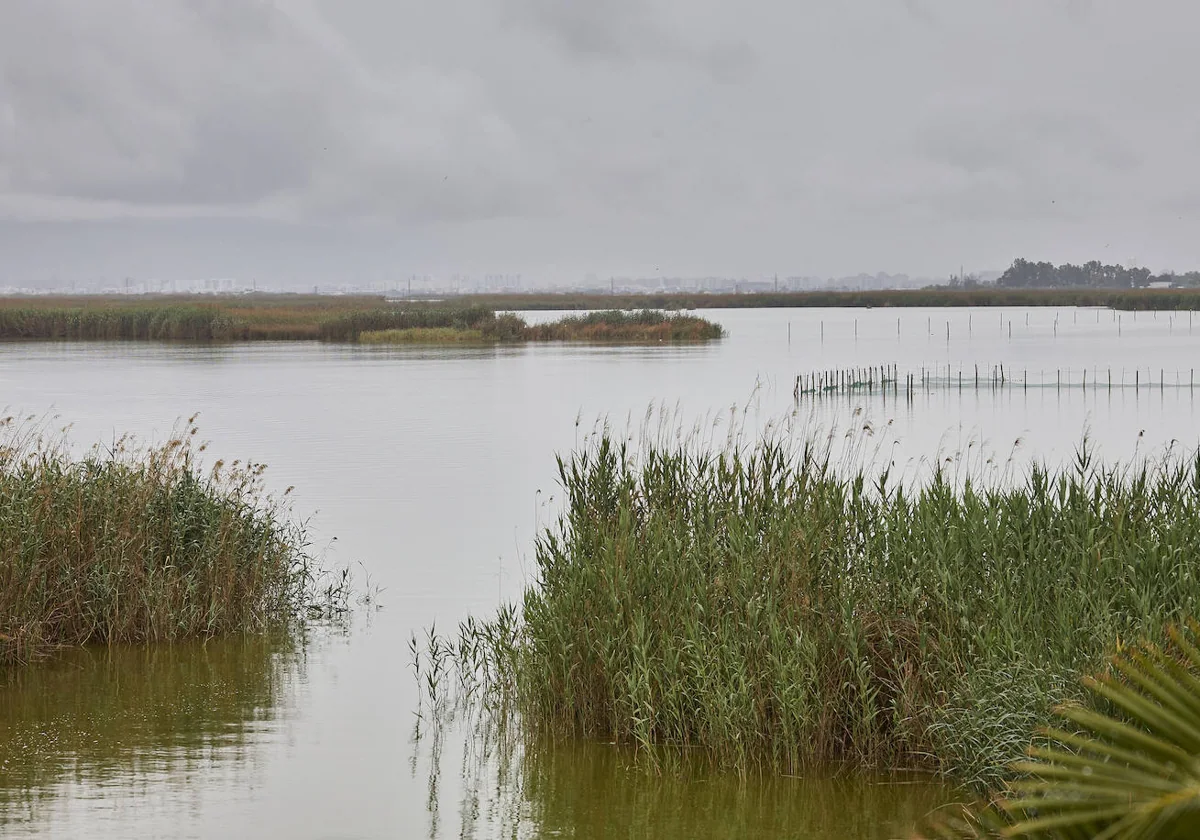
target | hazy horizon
x=357, y=141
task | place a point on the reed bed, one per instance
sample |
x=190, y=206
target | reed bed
x=369, y=320
x=136, y=544
x=637, y=326
x=423, y=335
x=175, y=323
x=483, y=325
x=763, y=605
x=175, y=318
x=478, y=319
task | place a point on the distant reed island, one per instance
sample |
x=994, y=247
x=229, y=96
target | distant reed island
x=366, y=320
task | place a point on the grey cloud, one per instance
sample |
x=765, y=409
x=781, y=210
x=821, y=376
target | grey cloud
x=159, y=104
x=610, y=28
x=631, y=30
x=613, y=134
x=218, y=103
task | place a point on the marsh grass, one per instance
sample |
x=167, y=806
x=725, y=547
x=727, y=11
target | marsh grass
x=171, y=323
x=133, y=543
x=933, y=297
x=175, y=318
x=766, y=605
x=435, y=326
x=351, y=326
x=423, y=335
x=645, y=325
x=369, y=320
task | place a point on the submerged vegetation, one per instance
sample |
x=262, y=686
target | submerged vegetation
x=333, y=319
x=136, y=544
x=765, y=606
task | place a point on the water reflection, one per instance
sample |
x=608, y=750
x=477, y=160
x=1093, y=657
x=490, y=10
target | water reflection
x=114, y=717
x=511, y=787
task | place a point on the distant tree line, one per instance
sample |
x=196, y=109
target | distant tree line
x=1025, y=274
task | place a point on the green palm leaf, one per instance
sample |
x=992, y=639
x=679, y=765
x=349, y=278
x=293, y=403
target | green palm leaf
x=1129, y=771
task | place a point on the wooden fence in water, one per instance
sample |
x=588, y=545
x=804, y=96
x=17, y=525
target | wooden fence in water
x=888, y=380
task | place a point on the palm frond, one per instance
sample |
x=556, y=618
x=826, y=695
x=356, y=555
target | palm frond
x=1130, y=770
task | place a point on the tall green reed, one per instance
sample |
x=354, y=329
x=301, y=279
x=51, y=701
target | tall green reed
x=764, y=603
x=137, y=544
x=174, y=322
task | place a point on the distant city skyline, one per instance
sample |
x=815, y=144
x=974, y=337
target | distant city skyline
x=425, y=284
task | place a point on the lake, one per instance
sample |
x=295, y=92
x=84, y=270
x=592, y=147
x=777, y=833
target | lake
x=430, y=469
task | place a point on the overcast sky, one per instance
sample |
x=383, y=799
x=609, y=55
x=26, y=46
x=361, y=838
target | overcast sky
x=366, y=139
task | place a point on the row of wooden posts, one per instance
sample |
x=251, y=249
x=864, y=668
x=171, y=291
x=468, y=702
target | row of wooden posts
x=1116, y=316
x=888, y=380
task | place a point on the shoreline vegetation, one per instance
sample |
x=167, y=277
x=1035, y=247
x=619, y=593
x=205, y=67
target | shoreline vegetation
x=933, y=298
x=330, y=319
x=770, y=609
x=134, y=544
x=487, y=318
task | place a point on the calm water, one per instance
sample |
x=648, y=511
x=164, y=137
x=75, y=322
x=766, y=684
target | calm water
x=432, y=468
